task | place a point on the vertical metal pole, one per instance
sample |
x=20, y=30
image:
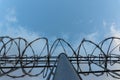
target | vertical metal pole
x=65, y=70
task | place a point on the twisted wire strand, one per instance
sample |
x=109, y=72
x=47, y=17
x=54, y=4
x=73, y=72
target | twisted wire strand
x=38, y=57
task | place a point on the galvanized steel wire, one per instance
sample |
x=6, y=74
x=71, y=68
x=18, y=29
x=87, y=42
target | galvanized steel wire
x=39, y=57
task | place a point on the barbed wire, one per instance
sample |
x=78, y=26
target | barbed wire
x=39, y=57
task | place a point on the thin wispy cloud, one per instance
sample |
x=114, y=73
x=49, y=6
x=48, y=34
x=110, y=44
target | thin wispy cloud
x=7, y=28
x=11, y=15
x=93, y=36
x=11, y=27
x=104, y=23
x=114, y=30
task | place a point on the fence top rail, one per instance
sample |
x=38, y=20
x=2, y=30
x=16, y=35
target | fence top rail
x=20, y=53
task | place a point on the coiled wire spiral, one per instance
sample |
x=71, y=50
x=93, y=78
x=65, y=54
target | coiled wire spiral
x=39, y=57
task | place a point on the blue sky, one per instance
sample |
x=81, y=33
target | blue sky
x=58, y=17
x=69, y=19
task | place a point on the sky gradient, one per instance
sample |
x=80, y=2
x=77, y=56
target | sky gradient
x=58, y=17
x=72, y=20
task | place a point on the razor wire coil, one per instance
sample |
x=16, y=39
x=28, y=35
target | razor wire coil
x=39, y=54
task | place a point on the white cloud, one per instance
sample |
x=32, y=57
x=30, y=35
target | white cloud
x=114, y=31
x=19, y=31
x=11, y=15
x=93, y=36
x=104, y=23
x=10, y=27
x=7, y=28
